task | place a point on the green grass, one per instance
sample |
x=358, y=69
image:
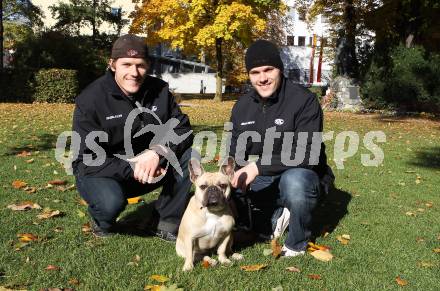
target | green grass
x=369, y=204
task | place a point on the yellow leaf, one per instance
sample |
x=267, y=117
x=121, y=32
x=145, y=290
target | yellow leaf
x=252, y=268
x=26, y=205
x=27, y=237
x=436, y=250
x=342, y=240
x=159, y=278
x=153, y=287
x=48, y=213
x=134, y=200
x=322, y=255
x=401, y=282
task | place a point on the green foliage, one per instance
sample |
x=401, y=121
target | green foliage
x=410, y=82
x=56, y=85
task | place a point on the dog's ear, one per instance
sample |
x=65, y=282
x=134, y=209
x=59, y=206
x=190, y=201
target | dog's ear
x=228, y=167
x=195, y=169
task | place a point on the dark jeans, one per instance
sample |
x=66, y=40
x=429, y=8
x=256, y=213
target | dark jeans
x=107, y=197
x=296, y=189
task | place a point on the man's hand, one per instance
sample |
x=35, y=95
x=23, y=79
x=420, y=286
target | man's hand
x=245, y=176
x=147, y=167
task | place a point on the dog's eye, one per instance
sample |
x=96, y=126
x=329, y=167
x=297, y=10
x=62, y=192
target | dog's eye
x=203, y=187
x=223, y=186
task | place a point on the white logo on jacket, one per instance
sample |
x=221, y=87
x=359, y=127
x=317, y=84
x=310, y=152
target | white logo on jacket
x=247, y=123
x=154, y=108
x=113, y=116
x=279, y=121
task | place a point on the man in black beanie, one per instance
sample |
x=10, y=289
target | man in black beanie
x=276, y=141
x=114, y=163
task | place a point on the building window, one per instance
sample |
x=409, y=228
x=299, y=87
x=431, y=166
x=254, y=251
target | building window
x=302, y=15
x=290, y=40
x=301, y=41
x=311, y=41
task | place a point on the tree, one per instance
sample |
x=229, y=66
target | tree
x=76, y=14
x=17, y=13
x=196, y=26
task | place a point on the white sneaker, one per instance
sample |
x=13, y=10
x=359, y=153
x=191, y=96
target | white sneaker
x=282, y=224
x=286, y=252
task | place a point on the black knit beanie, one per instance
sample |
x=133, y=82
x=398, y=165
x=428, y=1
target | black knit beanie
x=130, y=46
x=263, y=53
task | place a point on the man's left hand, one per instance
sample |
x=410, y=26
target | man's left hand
x=147, y=167
x=243, y=177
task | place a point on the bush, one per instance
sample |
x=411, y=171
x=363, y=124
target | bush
x=411, y=82
x=56, y=85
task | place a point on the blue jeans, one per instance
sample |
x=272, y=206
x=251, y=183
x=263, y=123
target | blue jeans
x=296, y=189
x=107, y=197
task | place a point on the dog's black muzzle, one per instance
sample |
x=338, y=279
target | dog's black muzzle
x=214, y=196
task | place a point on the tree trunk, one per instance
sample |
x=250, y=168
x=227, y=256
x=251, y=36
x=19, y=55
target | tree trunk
x=1, y=36
x=219, y=76
x=350, y=34
x=94, y=22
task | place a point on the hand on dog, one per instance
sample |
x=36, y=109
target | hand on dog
x=245, y=176
x=147, y=167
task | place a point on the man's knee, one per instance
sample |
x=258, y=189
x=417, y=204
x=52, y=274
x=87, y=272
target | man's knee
x=112, y=206
x=298, y=186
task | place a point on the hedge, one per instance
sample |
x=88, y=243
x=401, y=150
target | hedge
x=56, y=85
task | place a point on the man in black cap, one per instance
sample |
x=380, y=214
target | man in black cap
x=114, y=162
x=276, y=138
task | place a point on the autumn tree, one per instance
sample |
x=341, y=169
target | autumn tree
x=211, y=27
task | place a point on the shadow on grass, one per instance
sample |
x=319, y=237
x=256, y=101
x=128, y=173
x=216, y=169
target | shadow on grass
x=137, y=222
x=330, y=211
x=427, y=158
x=43, y=142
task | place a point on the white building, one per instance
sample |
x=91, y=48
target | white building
x=297, y=52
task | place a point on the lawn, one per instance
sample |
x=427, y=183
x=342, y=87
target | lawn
x=391, y=213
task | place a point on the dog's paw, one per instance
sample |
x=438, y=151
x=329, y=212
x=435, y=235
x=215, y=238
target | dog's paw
x=237, y=257
x=224, y=260
x=187, y=267
x=210, y=260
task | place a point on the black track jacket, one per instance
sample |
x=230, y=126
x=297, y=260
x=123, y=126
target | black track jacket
x=102, y=106
x=292, y=108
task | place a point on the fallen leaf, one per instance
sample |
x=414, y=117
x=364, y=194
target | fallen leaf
x=27, y=237
x=30, y=190
x=324, y=256
x=311, y=247
x=342, y=240
x=29, y=161
x=86, y=228
x=276, y=248
x=134, y=200
x=159, y=278
x=314, y=276
x=409, y=213
x=23, y=154
x=52, y=268
x=293, y=269
x=73, y=281
x=153, y=287
x=26, y=205
x=80, y=213
x=423, y=264
x=17, y=184
x=82, y=202
x=58, y=229
x=57, y=182
x=205, y=264
x=436, y=250
x=401, y=282
x=420, y=239
x=428, y=204
x=346, y=236
x=48, y=213
x=252, y=268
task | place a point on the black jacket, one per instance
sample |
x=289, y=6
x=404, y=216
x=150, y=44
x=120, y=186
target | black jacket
x=292, y=108
x=102, y=106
